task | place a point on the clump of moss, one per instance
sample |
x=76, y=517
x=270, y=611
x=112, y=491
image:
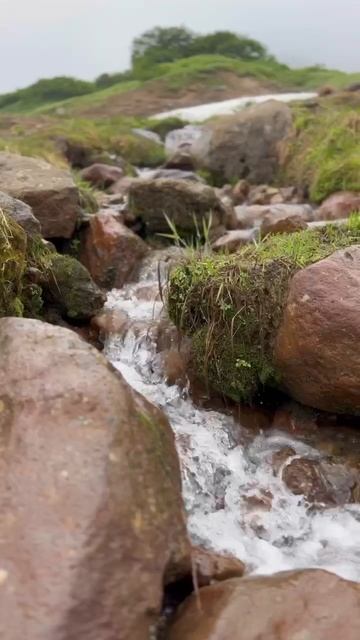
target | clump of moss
x=232, y=306
x=166, y=125
x=324, y=155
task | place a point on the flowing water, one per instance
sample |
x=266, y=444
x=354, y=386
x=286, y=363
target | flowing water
x=227, y=107
x=221, y=476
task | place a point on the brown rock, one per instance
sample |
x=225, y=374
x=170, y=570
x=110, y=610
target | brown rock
x=110, y=250
x=211, y=567
x=299, y=605
x=174, y=365
x=182, y=160
x=180, y=200
x=326, y=90
x=234, y=240
x=91, y=524
x=102, y=175
x=123, y=185
x=281, y=457
x=275, y=222
x=321, y=482
x=262, y=194
x=240, y=192
x=253, y=216
x=51, y=192
x=316, y=350
x=339, y=205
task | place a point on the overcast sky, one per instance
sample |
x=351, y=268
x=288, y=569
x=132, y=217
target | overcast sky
x=83, y=38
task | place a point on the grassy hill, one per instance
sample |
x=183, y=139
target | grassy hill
x=185, y=82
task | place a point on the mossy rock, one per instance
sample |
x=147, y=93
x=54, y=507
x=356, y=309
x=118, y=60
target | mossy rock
x=13, y=247
x=70, y=289
x=232, y=306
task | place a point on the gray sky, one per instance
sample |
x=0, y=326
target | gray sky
x=83, y=38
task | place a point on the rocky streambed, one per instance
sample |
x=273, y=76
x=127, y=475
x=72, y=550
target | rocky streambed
x=210, y=456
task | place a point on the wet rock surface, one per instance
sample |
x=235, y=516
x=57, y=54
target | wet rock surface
x=92, y=526
x=110, y=250
x=307, y=604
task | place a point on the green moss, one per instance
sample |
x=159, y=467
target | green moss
x=165, y=126
x=324, y=155
x=231, y=306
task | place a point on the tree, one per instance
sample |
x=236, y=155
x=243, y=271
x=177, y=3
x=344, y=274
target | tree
x=161, y=44
x=228, y=44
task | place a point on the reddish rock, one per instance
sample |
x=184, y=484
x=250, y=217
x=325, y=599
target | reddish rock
x=110, y=250
x=240, y=192
x=317, y=350
x=234, y=240
x=275, y=222
x=319, y=481
x=51, y=192
x=299, y=605
x=92, y=523
x=210, y=567
x=101, y=175
x=339, y=205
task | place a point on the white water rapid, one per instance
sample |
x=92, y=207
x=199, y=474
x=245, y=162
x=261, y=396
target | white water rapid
x=203, y=112
x=219, y=475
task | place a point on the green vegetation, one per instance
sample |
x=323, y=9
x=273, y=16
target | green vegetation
x=231, y=306
x=99, y=136
x=43, y=91
x=325, y=153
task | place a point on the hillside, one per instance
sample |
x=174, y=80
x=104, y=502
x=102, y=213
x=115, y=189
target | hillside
x=182, y=83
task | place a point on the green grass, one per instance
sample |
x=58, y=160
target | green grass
x=231, y=306
x=324, y=155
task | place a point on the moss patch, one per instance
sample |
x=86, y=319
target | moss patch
x=13, y=247
x=231, y=306
x=324, y=155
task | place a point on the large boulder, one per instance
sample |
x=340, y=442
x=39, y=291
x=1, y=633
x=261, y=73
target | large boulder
x=339, y=205
x=21, y=213
x=92, y=525
x=303, y=605
x=110, y=250
x=68, y=288
x=245, y=145
x=51, y=192
x=317, y=349
x=181, y=201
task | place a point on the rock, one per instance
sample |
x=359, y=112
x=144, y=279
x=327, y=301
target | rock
x=234, y=240
x=317, y=346
x=211, y=567
x=326, y=90
x=180, y=200
x=298, y=605
x=339, y=205
x=180, y=160
x=102, y=176
x=21, y=213
x=278, y=222
x=262, y=194
x=245, y=145
x=355, y=86
x=51, y=192
x=110, y=250
x=319, y=482
x=250, y=216
x=181, y=140
x=240, y=192
x=171, y=174
x=70, y=289
x=92, y=523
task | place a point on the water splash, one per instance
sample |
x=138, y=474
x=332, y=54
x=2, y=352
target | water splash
x=234, y=501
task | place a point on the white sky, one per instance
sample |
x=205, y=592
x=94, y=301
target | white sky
x=83, y=38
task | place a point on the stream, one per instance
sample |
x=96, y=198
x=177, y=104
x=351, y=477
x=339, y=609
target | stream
x=221, y=476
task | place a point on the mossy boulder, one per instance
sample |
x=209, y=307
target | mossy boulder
x=232, y=306
x=69, y=288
